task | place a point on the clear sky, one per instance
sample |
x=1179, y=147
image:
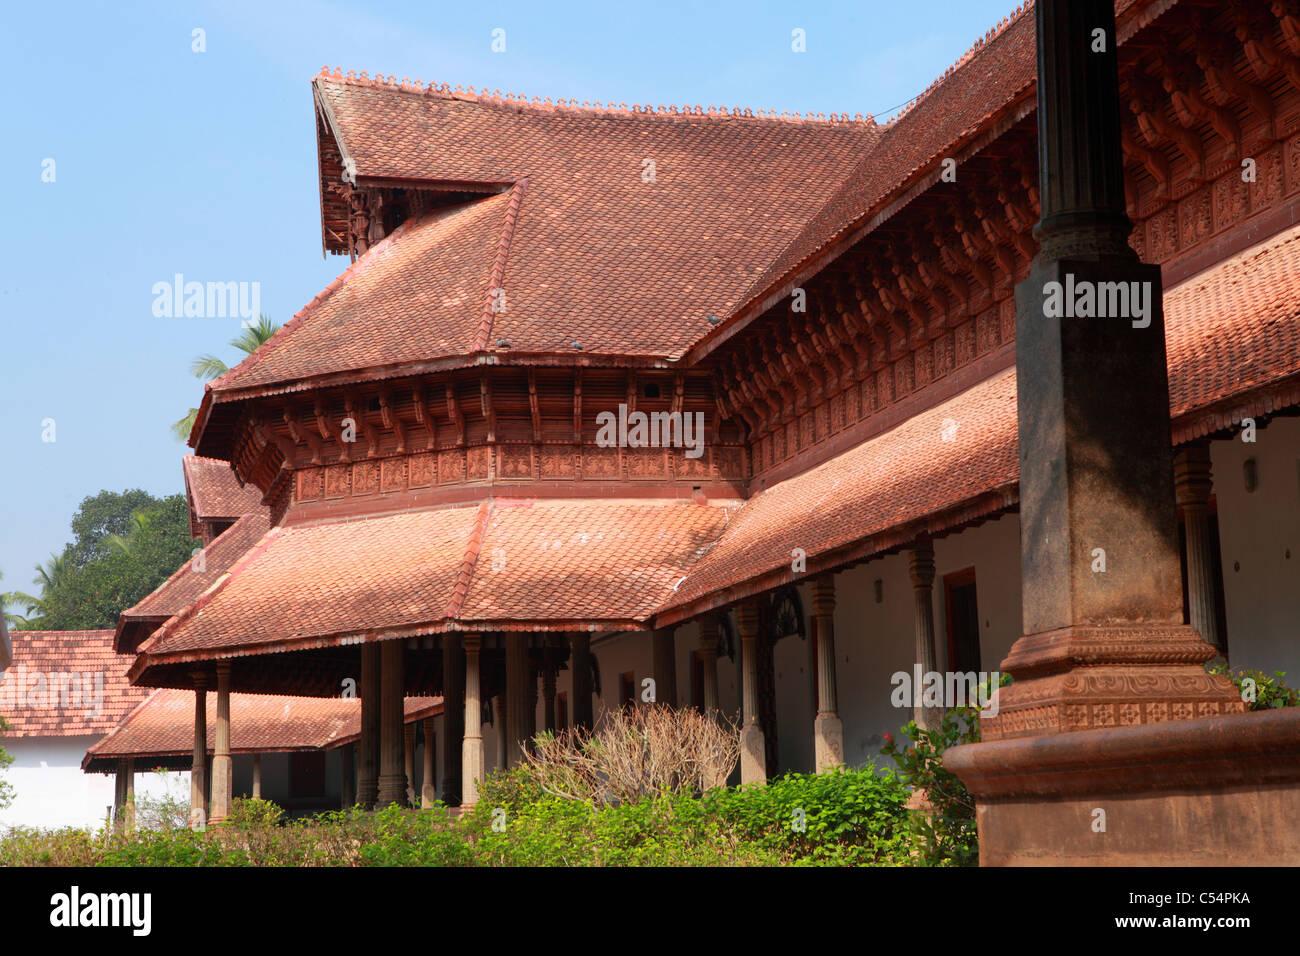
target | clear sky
x=170, y=161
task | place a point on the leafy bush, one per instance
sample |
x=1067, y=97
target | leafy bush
x=1258, y=690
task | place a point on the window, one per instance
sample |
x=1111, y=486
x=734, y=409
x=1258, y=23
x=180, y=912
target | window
x=963, y=618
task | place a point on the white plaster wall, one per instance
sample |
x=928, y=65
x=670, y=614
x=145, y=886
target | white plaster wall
x=1257, y=532
x=51, y=790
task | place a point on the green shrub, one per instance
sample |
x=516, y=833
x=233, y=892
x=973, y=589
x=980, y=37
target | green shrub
x=1258, y=690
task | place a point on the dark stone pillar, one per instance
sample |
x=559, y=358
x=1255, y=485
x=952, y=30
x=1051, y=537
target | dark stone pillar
x=453, y=717
x=368, y=743
x=548, y=684
x=921, y=567
x=828, y=729
x=1104, y=642
x=709, y=663
x=516, y=717
x=392, y=734
x=753, y=743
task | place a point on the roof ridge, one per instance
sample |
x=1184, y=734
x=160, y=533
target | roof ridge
x=446, y=91
x=473, y=545
x=497, y=276
x=989, y=36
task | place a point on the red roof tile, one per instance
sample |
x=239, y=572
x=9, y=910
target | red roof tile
x=215, y=493
x=163, y=725
x=540, y=563
x=1229, y=331
x=65, y=684
x=190, y=580
x=586, y=239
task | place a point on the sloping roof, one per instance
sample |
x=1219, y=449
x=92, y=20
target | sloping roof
x=503, y=564
x=163, y=725
x=1232, y=340
x=189, y=581
x=65, y=684
x=583, y=246
x=215, y=493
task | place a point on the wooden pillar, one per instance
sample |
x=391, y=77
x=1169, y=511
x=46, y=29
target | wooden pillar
x=368, y=743
x=130, y=794
x=664, y=658
x=408, y=735
x=348, y=777
x=392, y=696
x=828, y=729
x=453, y=717
x=753, y=745
x=1192, y=486
x=548, y=685
x=921, y=567
x=199, y=765
x=530, y=710
x=257, y=776
x=124, y=795
x=709, y=663
x=429, y=791
x=472, y=747
x=580, y=663
x=222, y=770
x=516, y=718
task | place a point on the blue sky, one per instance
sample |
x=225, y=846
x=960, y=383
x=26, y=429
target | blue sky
x=170, y=161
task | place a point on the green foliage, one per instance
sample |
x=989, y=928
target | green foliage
x=207, y=366
x=124, y=546
x=1259, y=690
x=943, y=825
x=852, y=817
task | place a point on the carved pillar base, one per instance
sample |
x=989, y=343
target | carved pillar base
x=828, y=742
x=1081, y=678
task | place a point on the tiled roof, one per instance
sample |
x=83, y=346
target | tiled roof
x=190, y=580
x=215, y=492
x=592, y=251
x=501, y=564
x=163, y=725
x=1232, y=336
x=988, y=79
x=65, y=684
x=1230, y=331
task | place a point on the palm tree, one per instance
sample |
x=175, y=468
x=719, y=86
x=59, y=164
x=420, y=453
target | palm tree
x=142, y=521
x=12, y=599
x=207, y=366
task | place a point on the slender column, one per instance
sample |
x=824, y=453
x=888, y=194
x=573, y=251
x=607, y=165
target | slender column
x=664, y=655
x=753, y=745
x=709, y=662
x=130, y=793
x=408, y=733
x=530, y=711
x=368, y=743
x=921, y=566
x=392, y=693
x=222, y=775
x=119, y=796
x=580, y=663
x=199, y=766
x=429, y=792
x=548, y=686
x=828, y=729
x=1192, y=486
x=257, y=776
x=516, y=719
x=472, y=747
x=348, y=776
x=453, y=717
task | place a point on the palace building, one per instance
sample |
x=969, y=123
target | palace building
x=899, y=466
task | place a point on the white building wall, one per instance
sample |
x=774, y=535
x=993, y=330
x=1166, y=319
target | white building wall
x=1259, y=539
x=51, y=790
